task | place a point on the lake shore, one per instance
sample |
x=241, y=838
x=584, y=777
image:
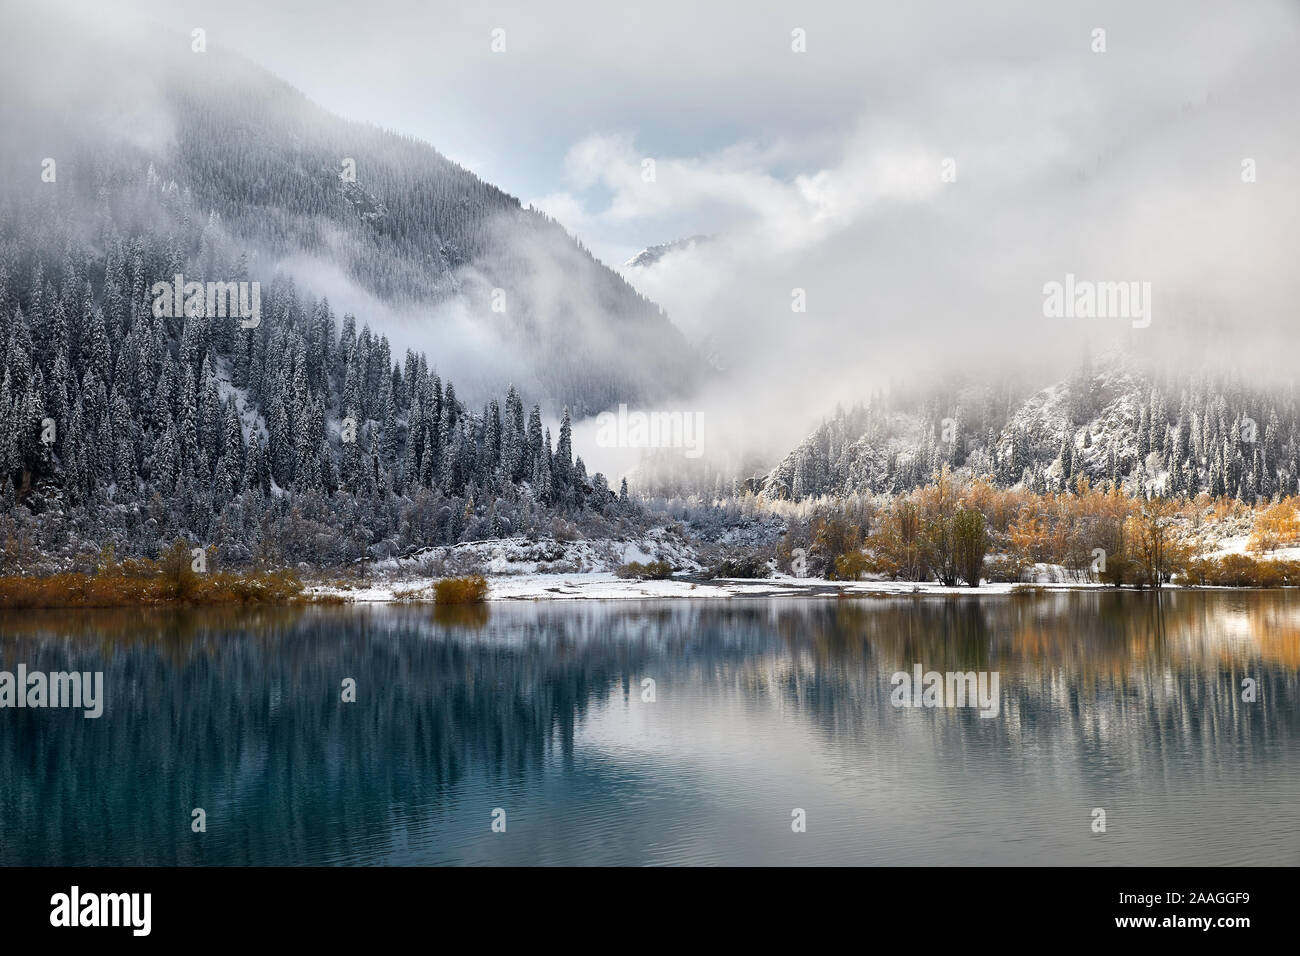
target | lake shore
x=118, y=588
x=604, y=586
x=109, y=591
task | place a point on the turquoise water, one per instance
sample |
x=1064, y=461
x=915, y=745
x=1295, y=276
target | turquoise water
x=1127, y=702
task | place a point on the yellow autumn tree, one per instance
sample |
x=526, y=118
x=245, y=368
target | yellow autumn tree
x=1276, y=526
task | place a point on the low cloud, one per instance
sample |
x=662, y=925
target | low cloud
x=1122, y=166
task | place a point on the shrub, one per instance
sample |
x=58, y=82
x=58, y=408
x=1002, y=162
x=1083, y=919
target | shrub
x=1237, y=571
x=812, y=545
x=1269, y=574
x=970, y=544
x=1275, y=526
x=654, y=570
x=175, y=562
x=469, y=590
x=1119, y=570
x=833, y=537
x=852, y=565
x=1003, y=569
x=899, y=543
x=1242, y=571
x=1199, y=571
x=741, y=566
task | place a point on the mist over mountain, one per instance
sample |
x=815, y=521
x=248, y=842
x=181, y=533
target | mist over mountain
x=652, y=254
x=183, y=247
x=381, y=224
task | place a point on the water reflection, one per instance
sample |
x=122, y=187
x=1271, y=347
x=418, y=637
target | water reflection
x=1123, y=701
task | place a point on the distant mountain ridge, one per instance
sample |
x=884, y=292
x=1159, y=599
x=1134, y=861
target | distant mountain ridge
x=1112, y=422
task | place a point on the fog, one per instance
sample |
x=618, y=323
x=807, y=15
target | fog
x=824, y=171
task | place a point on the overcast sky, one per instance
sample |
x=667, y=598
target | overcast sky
x=715, y=88
x=823, y=170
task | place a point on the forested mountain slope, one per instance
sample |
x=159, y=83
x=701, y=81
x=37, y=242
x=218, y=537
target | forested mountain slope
x=292, y=184
x=1150, y=433
x=287, y=432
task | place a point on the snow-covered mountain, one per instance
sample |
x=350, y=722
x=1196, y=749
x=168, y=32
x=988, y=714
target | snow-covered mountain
x=1149, y=433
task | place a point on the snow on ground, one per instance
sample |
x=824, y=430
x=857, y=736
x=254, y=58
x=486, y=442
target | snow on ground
x=1237, y=545
x=599, y=585
x=546, y=569
x=520, y=555
x=1043, y=573
x=249, y=419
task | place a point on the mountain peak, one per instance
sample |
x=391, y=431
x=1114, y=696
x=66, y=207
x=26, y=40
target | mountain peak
x=652, y=254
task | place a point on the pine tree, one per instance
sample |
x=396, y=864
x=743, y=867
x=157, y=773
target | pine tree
x=562, y=466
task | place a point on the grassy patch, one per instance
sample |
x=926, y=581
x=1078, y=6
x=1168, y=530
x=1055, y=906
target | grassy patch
x=140, y=587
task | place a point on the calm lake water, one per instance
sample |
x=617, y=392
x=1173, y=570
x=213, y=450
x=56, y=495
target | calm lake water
x=1127, y=702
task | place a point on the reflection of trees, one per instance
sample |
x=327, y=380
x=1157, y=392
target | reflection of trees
x=1102, y=675
x=238, y=711
x=1067, y=661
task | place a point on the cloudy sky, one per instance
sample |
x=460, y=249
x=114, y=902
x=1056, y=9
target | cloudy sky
x=1104, y=140
x=716, y=94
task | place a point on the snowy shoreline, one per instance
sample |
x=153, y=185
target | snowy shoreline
x=520, y=569
x=604, y=586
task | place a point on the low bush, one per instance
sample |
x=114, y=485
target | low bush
x=469, y=590
x=741, y=566
x=1242, y=571
x=654, y=570
x=851, y=565
x=1003, y=569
